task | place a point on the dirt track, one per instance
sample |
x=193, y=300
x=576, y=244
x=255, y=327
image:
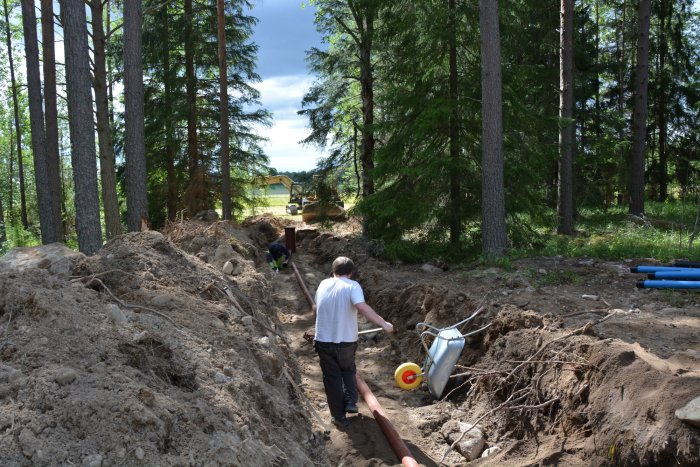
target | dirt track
x=150, y=355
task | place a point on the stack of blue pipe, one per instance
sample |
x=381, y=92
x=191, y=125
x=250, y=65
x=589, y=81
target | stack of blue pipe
x=682, y=275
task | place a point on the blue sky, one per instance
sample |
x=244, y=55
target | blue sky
x=284, y=32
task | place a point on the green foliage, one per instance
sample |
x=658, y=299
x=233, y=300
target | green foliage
x=166, y=106
x=609, y=235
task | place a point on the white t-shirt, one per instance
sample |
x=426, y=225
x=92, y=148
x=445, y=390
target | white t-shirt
x=336, y=315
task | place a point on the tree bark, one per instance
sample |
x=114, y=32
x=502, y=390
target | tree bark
x=135, y=145
x=3, y=231
x=196, y=191
x=18, y=128
x=108, y=177
x=364, y=14
x=666, y=10
x=624, y=162
x=82, y=133
x=49, y=228
x=493, y=220
x=169, y=133
x=565, y=199
x=455, y=191
x=53, y=160
x=223, y=110
x=639, y=118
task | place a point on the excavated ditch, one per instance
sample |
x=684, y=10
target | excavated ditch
x=148, y=354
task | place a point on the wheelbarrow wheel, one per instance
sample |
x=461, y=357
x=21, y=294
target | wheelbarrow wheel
x=408, y=376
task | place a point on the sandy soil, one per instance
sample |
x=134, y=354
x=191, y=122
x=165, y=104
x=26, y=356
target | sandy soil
x=148, y=354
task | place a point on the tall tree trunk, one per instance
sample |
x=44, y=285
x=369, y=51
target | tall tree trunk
x=455, y=173
x=82, y=133
x=364, y=14
x=49, y=225
x=110, y=76
x=18, y=129
x=134, y=133
x=11, y=176
x=666, y=10
x=110, y=202
x=493, y=218
x=196, y=191
x=169, y=133
x=53, y=160
x=223, y=110
x=624, y=162
x=639, y=118
x=598, y=107
x=565, y=199
x=3, y=232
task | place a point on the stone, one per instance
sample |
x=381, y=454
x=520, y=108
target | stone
x=672, y=311
x=93, y=460
x=595, y=298
x=208, y=215
x=116, y=314
x=430, y=269
x=491, y=451
x=65, y=376
x=28, y=442
x=197, y=243
x=56, y=258
x=264, y=341
x=203, y=256
x=247, y=320
x=690, y=413
x=224, y=253
x=8, y=374
x=228, y=267
x=139, y=453
x=472, y=439
x=220, y=378
x=161, y=301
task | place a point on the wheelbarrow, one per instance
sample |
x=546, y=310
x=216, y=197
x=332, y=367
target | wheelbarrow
x=441, y=357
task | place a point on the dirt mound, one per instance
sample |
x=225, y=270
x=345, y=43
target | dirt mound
x=142, y=359
x=528, y=379
x=148, y=354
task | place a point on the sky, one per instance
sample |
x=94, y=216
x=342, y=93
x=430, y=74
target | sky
x=284, y=32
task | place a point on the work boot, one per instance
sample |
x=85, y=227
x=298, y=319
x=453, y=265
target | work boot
x=341, y=422
x=351, y=408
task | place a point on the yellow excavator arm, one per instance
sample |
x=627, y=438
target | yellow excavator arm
x=296, y=191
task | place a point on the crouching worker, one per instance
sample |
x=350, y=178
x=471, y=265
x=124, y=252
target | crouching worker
x=278, y=256
x=338, y=299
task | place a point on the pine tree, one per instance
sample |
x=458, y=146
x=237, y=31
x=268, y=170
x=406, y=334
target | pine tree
x=82, y=135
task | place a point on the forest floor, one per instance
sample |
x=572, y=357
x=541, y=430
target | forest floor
x=148, y=354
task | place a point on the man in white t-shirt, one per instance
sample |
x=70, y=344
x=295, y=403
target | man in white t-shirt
x=338, y=299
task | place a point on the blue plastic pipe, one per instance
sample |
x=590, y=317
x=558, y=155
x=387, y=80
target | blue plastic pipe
x=690, y=274
x=657, y=268
x=668, y=284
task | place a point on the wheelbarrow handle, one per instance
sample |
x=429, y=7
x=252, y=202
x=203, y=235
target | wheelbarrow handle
x=369, y=331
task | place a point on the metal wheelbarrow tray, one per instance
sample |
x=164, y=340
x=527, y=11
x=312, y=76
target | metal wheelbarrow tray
x=442, y=356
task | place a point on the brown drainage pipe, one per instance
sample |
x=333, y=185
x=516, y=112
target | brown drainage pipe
x=397, y=444
x=304, y=289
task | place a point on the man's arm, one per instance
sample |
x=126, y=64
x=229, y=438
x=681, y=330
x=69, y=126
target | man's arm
x=367, y=311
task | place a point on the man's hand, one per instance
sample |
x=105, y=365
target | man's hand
x=388, y=327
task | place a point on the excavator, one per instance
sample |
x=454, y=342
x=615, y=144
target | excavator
x=296, y=192
x=308, y=204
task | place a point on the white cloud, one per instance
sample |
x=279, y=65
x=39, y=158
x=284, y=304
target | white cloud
x=282, y=96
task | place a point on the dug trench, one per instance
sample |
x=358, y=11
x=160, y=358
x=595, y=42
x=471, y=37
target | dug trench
x=180, y=348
